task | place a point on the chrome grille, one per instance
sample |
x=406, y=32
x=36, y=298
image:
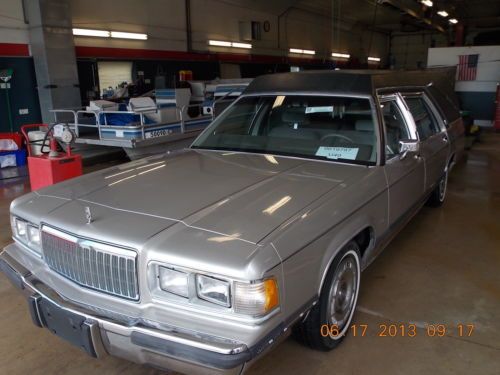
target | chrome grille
x=97, y=266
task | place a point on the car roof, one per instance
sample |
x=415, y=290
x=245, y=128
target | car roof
x=350, y=82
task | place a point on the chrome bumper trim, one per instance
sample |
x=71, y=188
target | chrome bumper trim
x=214, y=352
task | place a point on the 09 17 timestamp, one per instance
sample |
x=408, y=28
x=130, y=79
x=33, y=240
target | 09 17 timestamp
x=400, y=330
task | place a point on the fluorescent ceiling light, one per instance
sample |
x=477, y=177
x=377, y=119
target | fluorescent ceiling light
x=219, y=43
x=90, y=32
x=443, y=13
x=302, y=51
x=453, y=20
x=124, y=35
x=341, y=55
x=241, y=45
x=374, y=59
x=428, y=3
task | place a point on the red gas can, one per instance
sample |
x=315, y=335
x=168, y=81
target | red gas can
x=45, y=170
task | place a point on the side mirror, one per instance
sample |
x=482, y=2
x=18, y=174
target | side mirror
x=407, y=146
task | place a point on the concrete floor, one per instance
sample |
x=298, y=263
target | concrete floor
x=443, y=268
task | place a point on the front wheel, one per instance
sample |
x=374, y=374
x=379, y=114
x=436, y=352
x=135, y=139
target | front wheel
x=328, y=321
x=438, y=195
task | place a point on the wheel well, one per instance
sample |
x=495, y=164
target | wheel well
x=451, y=161
x=363, y=239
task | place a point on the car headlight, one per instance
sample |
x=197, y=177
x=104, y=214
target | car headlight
x=20, y=228
x=34, y=236
x=27, y=233
x=213, y=290
x=256, y=299
x=174, y=281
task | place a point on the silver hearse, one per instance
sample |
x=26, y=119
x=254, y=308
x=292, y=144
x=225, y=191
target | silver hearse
x=201, y=260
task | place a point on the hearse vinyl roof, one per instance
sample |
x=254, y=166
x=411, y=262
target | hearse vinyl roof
x=350, y=82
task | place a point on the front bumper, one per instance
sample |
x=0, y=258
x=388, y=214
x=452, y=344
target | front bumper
x=98, y=335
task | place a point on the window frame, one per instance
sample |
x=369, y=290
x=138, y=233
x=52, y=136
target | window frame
x=407, y=119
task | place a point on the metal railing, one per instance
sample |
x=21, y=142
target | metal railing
x=100, y=123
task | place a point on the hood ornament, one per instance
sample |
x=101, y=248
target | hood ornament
x=88, y=215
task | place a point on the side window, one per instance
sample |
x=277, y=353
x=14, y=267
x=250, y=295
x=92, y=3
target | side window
x=395, y=127
x=424, y=119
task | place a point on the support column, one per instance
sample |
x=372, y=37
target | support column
x=53, y=51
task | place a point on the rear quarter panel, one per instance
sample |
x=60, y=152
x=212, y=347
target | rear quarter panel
x=456, y=134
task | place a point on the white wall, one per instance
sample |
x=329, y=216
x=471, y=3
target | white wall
x=165, y=23
x=313, y=31
x=488, y=69
x=477, y=96
x=410, y=49
x=12, y=26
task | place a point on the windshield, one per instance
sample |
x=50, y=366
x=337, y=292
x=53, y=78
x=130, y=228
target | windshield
x=317, y=127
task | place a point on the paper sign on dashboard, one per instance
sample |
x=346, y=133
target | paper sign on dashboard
x=327, y=109
x=348, y=153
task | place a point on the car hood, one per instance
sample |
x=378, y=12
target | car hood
x=244, y=196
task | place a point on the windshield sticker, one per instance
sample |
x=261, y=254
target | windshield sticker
x=328, y=109
x=338, y=152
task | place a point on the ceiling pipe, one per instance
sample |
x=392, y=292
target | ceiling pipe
x=284, y=13
x=413, y=11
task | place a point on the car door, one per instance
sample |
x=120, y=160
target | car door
x=405, y=171
x=434, y=141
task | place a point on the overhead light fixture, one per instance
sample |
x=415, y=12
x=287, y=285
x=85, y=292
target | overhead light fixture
x=107, y=34
x=443, y=13
x=302, y=51
x=90, y=32
x=428, y=3
x=341, y=55
x=219, y=43
x=373, y=59
x=222, y=43
x=241, y=45
x=124, y=35
x=453, y=20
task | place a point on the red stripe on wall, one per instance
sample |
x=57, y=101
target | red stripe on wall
x=129, y=53
x=14, y=49
x=18, y=49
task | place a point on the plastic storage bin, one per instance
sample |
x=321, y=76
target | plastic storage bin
x=16, y=137
x=19, y=154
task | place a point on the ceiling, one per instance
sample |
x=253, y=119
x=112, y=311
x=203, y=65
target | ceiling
x=390, y=15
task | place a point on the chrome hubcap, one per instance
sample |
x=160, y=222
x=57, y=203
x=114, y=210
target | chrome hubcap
x=442, y=187
x=343, y=292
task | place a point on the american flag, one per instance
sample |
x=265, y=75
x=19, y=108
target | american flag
x=467, y=67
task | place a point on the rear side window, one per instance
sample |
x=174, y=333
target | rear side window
x=424, y=120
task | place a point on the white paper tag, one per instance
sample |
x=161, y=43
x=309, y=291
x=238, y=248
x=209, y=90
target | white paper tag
x=348, y=153
x=119, y=133
x=327, y=109
x=58, y=130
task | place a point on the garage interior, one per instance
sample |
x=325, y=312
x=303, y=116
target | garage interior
x=441, y=269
